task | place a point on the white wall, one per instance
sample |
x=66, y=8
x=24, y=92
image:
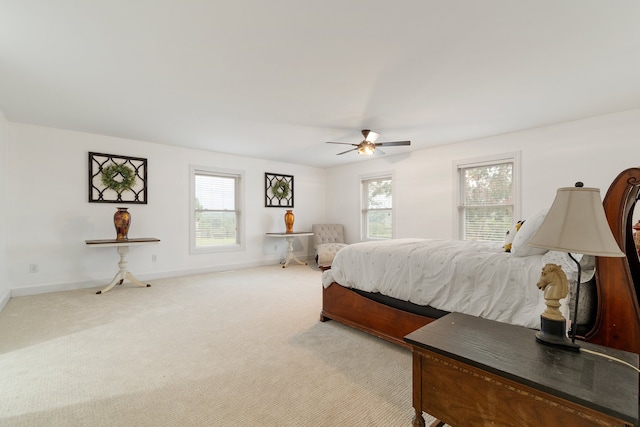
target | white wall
x=594, y=151
x=5, y=286
x=50, y=217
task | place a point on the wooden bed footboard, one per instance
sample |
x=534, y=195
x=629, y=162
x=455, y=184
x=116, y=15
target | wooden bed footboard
x=346, y=306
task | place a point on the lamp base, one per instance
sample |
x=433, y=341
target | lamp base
x=553, y=333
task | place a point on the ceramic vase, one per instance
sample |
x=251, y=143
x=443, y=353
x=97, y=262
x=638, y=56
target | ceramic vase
x=122, y=221
x=288, y=220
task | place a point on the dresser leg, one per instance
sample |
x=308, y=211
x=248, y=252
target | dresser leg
x=418, y=420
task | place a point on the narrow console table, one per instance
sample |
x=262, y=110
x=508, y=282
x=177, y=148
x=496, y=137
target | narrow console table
x=290, y=238
x=469, y=371
x=122, y=247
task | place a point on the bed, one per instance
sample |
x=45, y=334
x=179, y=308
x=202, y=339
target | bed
x=615, y=317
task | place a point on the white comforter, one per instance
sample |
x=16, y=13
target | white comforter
x=476, y=278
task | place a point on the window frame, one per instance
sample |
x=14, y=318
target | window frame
x=238, y=175
x=459, y=165
x=364, y=209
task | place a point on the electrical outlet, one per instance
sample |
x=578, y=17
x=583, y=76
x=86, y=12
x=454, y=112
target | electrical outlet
x=33, y=268
x=154, y=258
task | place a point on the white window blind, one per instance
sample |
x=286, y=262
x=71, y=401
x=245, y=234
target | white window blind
x=486, y=200
x=215, y=209
x=377, y=208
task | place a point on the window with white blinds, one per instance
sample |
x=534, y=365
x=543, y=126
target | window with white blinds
x=215, y=213
x=377, y=208
x=486, y=198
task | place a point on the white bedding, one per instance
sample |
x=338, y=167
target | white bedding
x=476, y=278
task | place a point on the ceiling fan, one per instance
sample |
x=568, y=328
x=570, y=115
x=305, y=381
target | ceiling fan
x=368, y=146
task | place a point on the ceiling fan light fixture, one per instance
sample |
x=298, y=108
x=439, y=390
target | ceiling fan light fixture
x=366, y=148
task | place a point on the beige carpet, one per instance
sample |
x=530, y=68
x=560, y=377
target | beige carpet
x=224, y=349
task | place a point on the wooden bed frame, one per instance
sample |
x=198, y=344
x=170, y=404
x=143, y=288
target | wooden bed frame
x=617, y=321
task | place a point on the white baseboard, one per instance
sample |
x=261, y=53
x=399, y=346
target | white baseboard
x=4, y=300
x=96, y=283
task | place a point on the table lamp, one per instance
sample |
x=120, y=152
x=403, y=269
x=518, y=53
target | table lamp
x=576, y=223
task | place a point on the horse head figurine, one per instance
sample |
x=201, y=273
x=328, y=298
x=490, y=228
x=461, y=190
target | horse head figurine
x=553, y=282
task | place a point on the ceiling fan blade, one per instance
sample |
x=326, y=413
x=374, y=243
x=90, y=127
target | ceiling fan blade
x=343, y=143
x=348, y=151
x=379, y=152
x=392, y=143
x=369, y=135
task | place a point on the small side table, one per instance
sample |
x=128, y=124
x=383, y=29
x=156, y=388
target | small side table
x=123, y=248
x=290, y=238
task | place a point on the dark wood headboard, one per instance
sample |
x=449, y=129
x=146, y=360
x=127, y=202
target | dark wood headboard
x=617, y=321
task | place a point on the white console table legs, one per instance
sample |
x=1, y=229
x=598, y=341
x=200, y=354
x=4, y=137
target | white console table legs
x=123, y=249
x=123, y=273
x=290, y=237
x=290, y=254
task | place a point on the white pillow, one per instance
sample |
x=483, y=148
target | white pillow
x=520, y=246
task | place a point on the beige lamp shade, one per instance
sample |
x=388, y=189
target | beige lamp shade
x=576, y=223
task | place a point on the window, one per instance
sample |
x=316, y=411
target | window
x=377, y=206
x=215, y=209
x=487, y=197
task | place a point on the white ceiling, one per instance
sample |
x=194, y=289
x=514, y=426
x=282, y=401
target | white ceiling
x=275, y=79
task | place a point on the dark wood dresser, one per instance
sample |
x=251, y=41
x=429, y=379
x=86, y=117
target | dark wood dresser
x=470, y=372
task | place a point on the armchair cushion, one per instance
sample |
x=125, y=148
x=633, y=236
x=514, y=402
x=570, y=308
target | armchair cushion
x=327, y=251
x=327, y=240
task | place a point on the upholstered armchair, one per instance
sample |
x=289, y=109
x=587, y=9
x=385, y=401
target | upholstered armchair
x=328, y=239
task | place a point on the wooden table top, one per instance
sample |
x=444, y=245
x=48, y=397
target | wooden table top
x=122, y=242
x=294, y=233
x=512, y=352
